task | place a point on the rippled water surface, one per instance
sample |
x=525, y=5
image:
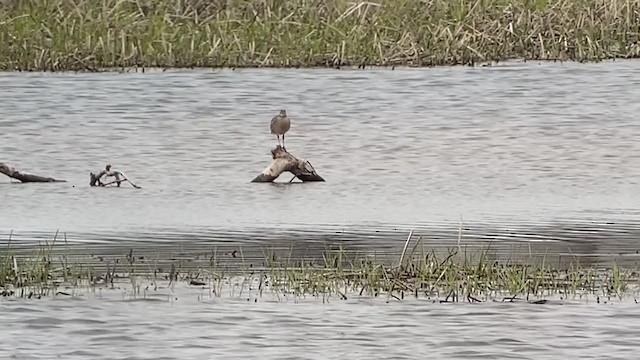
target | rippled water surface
x=187, y=327
x=520, y=151
x=544, y=156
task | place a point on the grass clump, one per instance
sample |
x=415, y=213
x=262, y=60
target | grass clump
x=39, y=274
x=450, y=277
x=89, y=35
x=454, y=275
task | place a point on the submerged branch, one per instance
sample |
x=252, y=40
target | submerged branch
x=283, y=161
x=25, y=177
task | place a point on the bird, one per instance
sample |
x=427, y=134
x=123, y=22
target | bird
x=280, y=124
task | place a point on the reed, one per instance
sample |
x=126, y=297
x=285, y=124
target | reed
x=454, y=276
x=457, y=275
x=39, y=273
x=92, y=35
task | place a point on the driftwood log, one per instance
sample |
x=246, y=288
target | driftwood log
x=24, y=177
x=94, y=180
x=284, y=161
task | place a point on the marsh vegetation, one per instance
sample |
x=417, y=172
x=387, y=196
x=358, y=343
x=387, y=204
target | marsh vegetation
x=89, y=35
x=458, y=275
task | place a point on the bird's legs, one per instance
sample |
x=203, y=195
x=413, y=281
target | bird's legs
x=278, y=139
x=283, y=148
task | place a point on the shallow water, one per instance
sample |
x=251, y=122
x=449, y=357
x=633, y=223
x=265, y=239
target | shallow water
x=190, y=324
x=519, y=152
x=544, y=156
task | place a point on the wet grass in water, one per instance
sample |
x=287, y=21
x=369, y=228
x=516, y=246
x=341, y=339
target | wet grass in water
x=458, y=275
x=449, y=277
x=39, y=274
x=79, y=35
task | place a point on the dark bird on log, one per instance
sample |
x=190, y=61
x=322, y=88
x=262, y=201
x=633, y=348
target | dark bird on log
x=280, y=124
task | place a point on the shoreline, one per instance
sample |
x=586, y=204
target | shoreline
x=162, y=69
x=70, y=35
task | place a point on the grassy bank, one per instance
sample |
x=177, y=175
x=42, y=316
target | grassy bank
x=90, y=34
x=457, y=275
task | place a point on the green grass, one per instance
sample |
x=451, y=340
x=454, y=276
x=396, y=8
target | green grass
x=453, y=276
x=457, y=275
x=91, y=34
x=40, y=273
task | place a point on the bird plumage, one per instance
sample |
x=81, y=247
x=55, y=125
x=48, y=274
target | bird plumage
x=280, y=124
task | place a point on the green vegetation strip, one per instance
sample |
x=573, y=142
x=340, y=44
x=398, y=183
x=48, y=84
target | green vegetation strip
x=454, y=276
x=92, y=35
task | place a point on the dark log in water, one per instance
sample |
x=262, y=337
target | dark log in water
x=24, y=177
x=284, y=161
x=94, y=180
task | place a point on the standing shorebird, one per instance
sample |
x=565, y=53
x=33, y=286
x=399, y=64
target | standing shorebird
x=280, y=124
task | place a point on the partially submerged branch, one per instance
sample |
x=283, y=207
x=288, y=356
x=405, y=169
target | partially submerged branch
x=94, y=179
x=120, y=181
x=284, y=161
x=25, y=177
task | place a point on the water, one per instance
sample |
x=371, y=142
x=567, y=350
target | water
x=541, y=155
x=518, y=152
x=182, y=325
